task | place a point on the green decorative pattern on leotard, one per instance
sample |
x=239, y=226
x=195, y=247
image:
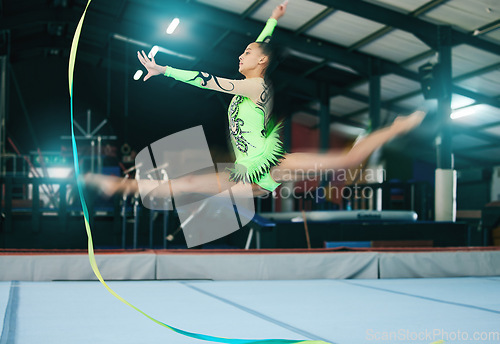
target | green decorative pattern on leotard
x=254, y=168
x=257, y=147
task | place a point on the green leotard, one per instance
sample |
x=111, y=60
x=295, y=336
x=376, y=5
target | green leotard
x=256, y=145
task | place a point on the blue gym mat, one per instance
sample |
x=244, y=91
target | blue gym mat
x=336, y=311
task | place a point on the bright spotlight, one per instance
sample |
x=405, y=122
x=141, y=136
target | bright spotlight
x=458, y=102
x=138, y=74
x=173, y=25
x=462, y=112
x=153, y=51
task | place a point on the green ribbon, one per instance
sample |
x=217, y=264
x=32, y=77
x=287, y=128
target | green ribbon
x=93, y=264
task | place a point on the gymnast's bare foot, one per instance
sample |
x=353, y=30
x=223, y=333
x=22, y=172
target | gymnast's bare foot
x=404, y=124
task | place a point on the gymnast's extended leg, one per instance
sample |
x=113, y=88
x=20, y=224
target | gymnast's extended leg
x=319, y=162
x=209, y=184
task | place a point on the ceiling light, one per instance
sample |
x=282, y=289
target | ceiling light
x=305, y=56
x=343, y=67
x=138, y=74
x=173, y=25
x=458, y=102
x=153, y=51
x=463, y=112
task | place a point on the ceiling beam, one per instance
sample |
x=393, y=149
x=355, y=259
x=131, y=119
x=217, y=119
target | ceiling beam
x=480, y=98
x=387, y=29
x=462, y=129
x=370, y=38
x=419, y=57
x=252, y=8
x=315, y=20
x=487, y=28
x=384, y=15
x=427, y=7
x=421, y=28
x=465, y=38
x=487, y=126
x=477, y=72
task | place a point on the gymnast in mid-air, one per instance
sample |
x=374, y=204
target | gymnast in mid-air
x=260, y=157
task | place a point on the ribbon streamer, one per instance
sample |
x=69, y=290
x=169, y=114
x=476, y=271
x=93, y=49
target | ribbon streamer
x=93, y=264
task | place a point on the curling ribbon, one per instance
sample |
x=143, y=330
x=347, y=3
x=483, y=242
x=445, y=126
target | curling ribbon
x=93, y=264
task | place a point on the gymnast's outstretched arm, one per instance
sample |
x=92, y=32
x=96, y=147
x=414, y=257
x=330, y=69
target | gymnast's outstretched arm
x=251, y=88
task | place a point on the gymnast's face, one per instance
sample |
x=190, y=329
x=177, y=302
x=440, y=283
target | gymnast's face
x=252, y=60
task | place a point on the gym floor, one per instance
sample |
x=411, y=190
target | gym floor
x=337, y=311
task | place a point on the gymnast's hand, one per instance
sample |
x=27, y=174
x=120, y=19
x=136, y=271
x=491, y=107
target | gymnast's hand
x=279, y=11
x=150, y=64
